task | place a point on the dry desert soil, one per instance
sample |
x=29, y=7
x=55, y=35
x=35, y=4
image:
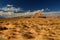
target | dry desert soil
x=30, y=29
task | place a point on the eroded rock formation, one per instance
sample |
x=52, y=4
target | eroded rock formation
x=37, y=14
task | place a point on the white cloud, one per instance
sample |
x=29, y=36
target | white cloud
x=42, y=10
x=47, y=9
x=10, y=8
x=10, y=12
x=52, y=13
x=9, y=5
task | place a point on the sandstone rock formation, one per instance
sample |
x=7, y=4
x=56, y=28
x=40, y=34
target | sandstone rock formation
x=37, y=14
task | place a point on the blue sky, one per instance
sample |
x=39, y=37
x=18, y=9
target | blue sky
x=16, y=8
x=53, y=5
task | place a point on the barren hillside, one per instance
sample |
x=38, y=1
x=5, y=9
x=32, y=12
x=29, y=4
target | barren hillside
x=30, y=29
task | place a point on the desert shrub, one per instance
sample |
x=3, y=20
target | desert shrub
x=36, y=28
x=7, y=23
x=3, y=28
x=50, y=38
x=28, y=35
x=1, y=38
x=25, y=27
x=1, y=22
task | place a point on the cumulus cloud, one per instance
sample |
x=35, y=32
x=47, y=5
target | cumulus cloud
x=52, y=13
x=42, y=10
x=47, y=9
x=9, y=11
x=9, y=5
x=10, y=8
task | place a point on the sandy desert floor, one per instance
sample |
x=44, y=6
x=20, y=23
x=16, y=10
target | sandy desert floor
x=30, y=29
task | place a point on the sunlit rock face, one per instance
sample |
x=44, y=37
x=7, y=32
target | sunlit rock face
x=37, y=14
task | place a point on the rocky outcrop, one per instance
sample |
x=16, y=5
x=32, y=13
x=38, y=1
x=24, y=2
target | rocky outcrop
x=37, y=14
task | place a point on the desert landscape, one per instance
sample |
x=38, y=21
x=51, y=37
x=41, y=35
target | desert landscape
x=29, y=19
x=33, y=28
